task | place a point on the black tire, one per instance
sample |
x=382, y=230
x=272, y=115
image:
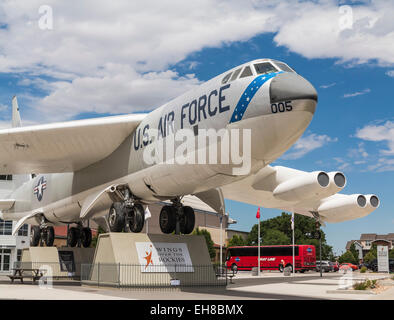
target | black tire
x=281, y=268
x=116, y=217
x=302, y=271
x=167, y=219
x=86, y=237
x=73, y=237
x=291, y=267
x=136, y=218
x=35, y=236
x=49, y=236
x=188, y=220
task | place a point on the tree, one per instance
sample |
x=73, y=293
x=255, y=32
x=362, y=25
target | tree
x=95, y=238
x=236, y=240
x=348, y=257
x=370, y=256
x=304, y=227
x=354, y=251
x=391, y=254
x=208, y=239
x=275, y=237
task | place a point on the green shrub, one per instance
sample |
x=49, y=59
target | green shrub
x=367, y=284
x=360, y=286
x=363, y=269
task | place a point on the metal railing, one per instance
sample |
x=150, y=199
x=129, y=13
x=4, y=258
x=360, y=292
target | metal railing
x=138, y=276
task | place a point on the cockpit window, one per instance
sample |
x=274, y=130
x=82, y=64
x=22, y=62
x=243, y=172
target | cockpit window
x=235, y=74
x=226, y=78
x=264, y=68
x=246, y=73
x=284, y=67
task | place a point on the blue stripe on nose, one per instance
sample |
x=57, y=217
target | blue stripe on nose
x=248, y=95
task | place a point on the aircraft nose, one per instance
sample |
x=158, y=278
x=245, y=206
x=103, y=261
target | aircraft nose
x=291, y=86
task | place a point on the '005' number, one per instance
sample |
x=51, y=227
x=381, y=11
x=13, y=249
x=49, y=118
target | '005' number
x=281, y=107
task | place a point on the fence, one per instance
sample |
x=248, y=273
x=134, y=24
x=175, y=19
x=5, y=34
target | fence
x=137, y=276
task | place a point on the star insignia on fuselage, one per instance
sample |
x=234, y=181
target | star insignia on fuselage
x=40, y=187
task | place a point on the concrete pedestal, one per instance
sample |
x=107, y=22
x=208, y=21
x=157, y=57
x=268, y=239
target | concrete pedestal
x=63, y=261
x=138, y=259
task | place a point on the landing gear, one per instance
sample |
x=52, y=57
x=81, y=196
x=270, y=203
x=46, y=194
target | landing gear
x=136, y=218
x=116, y=217
x=49, y=236
x=78, y=236
x=42, y=234
x=177, y=218
x=73, y=235
x=167, y=219
x=187, y=221
x=86, y=237
x=125, y=211
x=35, y=236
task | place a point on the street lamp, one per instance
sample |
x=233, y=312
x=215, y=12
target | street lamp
x=229, y=221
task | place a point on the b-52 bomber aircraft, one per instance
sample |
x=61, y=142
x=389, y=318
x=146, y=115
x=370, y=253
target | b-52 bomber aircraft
x=71, y=172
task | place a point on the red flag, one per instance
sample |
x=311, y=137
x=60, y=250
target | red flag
x=258, y=213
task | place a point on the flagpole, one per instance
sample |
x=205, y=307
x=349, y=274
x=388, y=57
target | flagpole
x=292, y=227
x=258, y=259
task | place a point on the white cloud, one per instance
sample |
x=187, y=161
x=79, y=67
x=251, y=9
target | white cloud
x=307, y=144
x=326, y=86
x=382, y=165
x=379, y=133
x=358, y=93
x=98, y=54
x=390, y=73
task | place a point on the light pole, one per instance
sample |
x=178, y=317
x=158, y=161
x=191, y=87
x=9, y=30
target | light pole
x=229, y=221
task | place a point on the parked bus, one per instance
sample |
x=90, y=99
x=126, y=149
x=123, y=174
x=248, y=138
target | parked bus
x=271, y=257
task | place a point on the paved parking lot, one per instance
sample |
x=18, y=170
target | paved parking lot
x=270, y=285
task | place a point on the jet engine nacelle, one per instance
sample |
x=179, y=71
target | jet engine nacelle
x=353, y=206
x=305, y=186
x=292, y=185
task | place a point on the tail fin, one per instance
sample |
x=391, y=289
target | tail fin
x=9, y=182
x=16, y=117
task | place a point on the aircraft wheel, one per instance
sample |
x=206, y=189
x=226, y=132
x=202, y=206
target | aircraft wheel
x=86, y=237
x=49, y=236
x=116, y=217
x=136, y=218
x=35, y=235
x=188, y=220
x=73, y=237
x=167, y=219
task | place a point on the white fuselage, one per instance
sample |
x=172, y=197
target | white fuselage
x=213, y=105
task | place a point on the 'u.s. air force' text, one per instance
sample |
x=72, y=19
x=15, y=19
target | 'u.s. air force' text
x=191, y=113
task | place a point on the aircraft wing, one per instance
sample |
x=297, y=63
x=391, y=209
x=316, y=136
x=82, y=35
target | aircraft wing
x=63, y=147
x=302, y=192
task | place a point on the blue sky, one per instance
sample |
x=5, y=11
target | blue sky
x=336, y=117
x=99, y=59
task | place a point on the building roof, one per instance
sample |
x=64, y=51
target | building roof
x=349, y=243
x=368, y=236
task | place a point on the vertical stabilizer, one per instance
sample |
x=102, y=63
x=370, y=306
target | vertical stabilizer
x=16, y=117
